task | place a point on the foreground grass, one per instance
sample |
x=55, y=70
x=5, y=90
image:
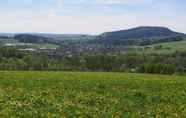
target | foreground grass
x=56, y=94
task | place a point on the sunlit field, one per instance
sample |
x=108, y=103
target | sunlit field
x=104, y=95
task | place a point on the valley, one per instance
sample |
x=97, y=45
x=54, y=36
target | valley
x=92, y=59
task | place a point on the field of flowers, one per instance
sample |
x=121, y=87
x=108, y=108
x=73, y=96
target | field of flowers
x=87, y=95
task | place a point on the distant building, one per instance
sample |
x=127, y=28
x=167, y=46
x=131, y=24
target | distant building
x=28, y=49
x=18, y=44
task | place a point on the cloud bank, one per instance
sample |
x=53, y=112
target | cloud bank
x=81, y=16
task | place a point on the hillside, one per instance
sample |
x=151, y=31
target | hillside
x=165, y=48
x=140, y=36
x=136, y=36
x=63, y=37
x=29, y=38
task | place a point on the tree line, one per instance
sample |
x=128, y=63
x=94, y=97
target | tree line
x=13, y=59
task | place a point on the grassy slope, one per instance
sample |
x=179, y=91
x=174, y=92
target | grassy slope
x=45, y=45
x=35, y=46
x=56, y=94
x=170, y=47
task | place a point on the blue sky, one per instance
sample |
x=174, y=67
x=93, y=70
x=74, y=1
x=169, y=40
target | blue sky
x=89, y=16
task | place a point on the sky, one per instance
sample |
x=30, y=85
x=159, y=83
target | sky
x=90, y=16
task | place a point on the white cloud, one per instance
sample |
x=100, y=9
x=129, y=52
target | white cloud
x=30, y=21
x=121, y=1
x=49, y=21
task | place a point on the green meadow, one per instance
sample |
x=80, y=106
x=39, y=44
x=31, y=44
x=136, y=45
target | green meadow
x=167, y=48
x=91, y=95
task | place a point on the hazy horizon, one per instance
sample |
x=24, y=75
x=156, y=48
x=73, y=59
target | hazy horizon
x=89, y=17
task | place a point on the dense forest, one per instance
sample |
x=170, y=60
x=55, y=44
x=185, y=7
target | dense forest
x=13, y=59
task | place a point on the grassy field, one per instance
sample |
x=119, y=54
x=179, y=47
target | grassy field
x=170, y=47
x=45, y=46
x=99, y=95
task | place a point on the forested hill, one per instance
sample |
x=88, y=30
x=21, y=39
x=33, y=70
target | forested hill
x=140, y=35
x=136, y=36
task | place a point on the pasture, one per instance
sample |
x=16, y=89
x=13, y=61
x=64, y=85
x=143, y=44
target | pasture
x=88, y=95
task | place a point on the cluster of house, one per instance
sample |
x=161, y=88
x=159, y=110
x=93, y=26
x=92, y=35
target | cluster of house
x=27, y=47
